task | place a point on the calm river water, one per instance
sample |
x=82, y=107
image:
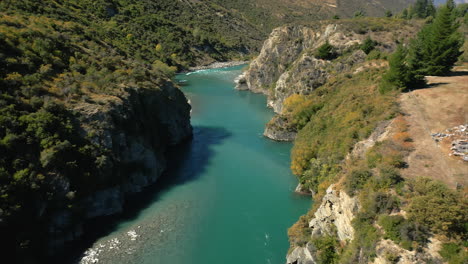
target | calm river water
x=229, y=197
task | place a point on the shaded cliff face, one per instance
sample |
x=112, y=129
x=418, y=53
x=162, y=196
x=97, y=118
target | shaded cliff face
x=134, y=129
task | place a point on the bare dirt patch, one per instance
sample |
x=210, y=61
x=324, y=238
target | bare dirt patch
x=443, y=105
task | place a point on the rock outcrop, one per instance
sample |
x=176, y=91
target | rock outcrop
x=135, y=128
x=287, y=64
x=388, y=252
x=334, y=215
x=278, y=129
x=301, y=255
x=337, y=209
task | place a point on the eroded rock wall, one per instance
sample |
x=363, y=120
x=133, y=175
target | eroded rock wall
x=135, y=128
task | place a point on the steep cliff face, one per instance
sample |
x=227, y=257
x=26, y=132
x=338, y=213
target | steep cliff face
x=135, y=128
x=337, y=209
x=287, y=64
x=333, y=216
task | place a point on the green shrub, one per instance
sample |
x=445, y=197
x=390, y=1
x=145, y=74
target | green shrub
x=438, y=208
x=392, y=225
x=388, y=177
x=366, y=236
x=356, y=180
x=453, y=253
x=368, y=45
x=326, y=52
x=326, y=249
x=375, y=55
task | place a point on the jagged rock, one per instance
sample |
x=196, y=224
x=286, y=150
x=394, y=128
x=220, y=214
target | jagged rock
x=337, y=209
x=388, y=252
x=286, y=64
x=300, y=189
x=279, y=51
x=380, y=133
x=335, y=213
x=105, y=202
x=307, y=74
x=301, y=255
x=241, y=82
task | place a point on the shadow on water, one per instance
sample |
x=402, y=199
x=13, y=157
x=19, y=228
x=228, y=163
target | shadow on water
x=186, y=162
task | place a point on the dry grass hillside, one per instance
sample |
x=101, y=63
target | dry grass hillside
x=273, y=13
x=430, y=112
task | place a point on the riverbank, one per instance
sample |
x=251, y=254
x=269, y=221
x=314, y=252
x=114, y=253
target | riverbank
x=217, y=65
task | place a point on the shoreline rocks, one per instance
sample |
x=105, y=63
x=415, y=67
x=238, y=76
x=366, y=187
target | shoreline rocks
x=278, y=129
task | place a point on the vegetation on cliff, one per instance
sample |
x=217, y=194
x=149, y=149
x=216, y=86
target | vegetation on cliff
x=51, y=63
x=334, y=117
x=177, y=33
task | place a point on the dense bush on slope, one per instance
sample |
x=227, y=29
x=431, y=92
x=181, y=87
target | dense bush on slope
x=408, y=212
x=179, y=33
x=334, y=118
x=48, y=68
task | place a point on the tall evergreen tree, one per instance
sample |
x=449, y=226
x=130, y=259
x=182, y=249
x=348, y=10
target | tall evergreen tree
x=423, y=9
x=441, y=42
x=416, y=61
x=397, y=76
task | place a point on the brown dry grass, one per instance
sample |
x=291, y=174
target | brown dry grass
x=444, y=104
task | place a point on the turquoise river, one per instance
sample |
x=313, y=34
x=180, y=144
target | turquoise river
x=228, y=197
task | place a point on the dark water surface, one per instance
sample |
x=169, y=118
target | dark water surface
x=229, y=197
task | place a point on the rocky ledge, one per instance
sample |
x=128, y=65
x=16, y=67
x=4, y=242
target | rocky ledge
x=278, y=129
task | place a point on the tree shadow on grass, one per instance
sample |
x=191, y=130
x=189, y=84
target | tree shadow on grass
x=434, y=85
x=459, y=73
x=186, y=162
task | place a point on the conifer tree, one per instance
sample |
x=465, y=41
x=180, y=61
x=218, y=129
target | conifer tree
x=441, y=42
x=417, y=58
x=397, y=75
x=423, y=9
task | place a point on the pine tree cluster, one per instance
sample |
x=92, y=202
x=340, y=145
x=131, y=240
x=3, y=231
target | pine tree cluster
x=421, y=9
x=434, y=51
